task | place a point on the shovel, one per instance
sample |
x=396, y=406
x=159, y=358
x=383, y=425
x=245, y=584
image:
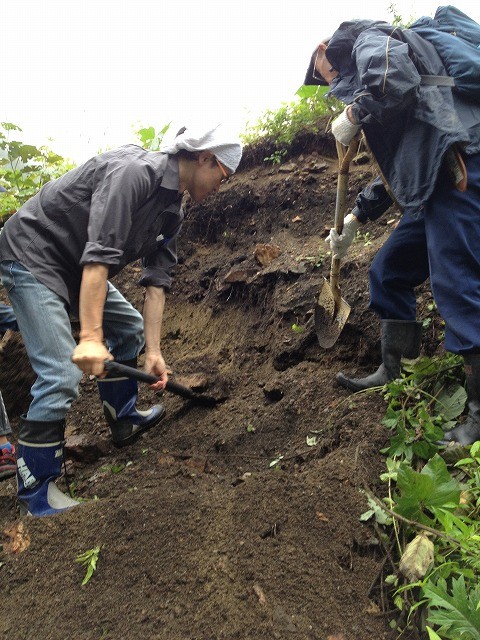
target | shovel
x=331, y=310
x=173, y=387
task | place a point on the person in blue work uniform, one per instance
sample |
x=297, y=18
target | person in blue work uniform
x=57, y=255
x=7, y=449
x=426, y=141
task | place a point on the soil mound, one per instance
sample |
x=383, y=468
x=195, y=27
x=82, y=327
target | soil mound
x=239, y=520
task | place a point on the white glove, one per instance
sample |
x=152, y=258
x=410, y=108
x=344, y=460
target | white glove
x=344, y=130
x=339, y=244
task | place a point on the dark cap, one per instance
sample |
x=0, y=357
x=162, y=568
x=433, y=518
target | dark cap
x=309, y=78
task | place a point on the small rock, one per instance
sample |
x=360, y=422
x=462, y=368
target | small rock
x=362, y=158
x=287, y=168
x=238, y=275
x=265, y=254
x=318, y=167
x=86, y=449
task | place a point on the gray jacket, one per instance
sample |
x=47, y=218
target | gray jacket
x=119, y=206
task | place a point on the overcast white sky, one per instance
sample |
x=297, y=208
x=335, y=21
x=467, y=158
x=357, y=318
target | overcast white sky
x=79, y=76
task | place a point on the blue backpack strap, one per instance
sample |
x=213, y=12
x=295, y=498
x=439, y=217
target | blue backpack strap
x=437, y=81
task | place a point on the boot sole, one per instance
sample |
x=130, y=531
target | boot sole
x=125, y=442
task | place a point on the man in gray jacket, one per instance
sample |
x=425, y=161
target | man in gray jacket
x=426, y=140
x=57, y=255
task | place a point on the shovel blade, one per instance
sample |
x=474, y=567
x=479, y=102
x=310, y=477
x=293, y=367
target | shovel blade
x=329, y=318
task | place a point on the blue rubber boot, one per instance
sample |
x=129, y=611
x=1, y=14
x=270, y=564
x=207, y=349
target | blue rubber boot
x=39, y=464
x=119, y=397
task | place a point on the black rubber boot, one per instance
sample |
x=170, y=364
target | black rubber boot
x=469, y=431
x=400, y=339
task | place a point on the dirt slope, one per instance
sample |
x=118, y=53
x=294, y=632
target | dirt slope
x=201, y=536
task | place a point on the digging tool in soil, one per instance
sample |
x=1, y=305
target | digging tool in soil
x=331, y=310
x=172, y=387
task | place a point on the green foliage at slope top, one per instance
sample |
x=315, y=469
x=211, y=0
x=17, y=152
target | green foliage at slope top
x=283, y=125
x=24, y=169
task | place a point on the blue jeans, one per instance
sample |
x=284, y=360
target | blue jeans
x=7, y=318
x=44, y=323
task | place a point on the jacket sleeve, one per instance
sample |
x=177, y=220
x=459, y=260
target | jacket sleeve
x=118, y=189
x=372, y=202
x=388, y=77
x=158, y=266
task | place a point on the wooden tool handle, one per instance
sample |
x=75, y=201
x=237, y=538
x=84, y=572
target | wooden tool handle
x=344, y=159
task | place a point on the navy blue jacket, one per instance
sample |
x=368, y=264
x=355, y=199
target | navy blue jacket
x=408, y=126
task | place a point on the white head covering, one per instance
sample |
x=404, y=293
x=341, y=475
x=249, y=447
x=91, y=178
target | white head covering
x=224, y=145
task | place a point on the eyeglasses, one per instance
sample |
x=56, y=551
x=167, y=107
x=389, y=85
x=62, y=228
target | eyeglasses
x=314, y=70
x=226, y=177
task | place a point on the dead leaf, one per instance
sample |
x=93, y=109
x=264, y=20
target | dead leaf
x=417, y=558
x=322, y=517
x=373, y=609
x=265, y=254
x=166, y=459
x=260, y=595
x=19, y=538
x=198, y=464
x=297, y=219
x=339, y=636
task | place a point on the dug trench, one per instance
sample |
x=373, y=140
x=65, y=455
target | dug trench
x=239, y=520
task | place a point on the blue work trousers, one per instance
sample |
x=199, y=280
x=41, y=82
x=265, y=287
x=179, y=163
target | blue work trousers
x=7, y=321
x=441, y=242
x=44, y=323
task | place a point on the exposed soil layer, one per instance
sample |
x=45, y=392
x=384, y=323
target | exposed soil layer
x=223, y=522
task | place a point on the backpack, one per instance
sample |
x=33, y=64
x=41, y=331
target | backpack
x=456, y=38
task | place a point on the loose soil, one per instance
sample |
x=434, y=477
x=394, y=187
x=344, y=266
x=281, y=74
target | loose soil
x=224, y=522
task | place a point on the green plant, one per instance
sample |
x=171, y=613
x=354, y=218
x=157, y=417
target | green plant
x=150, y=138
x=276, y=157
x=280, y=127
x=363, y=237
x=421, y=405
x=115, y=468
x=89, y=560
x=317, y=260
x=296, y=328
x=275, y=462
x=24, y=169
x=433, y=512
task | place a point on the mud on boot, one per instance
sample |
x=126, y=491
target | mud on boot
x=469, y=431
x=39, y=464
x=399, y=339
x=119, y=397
